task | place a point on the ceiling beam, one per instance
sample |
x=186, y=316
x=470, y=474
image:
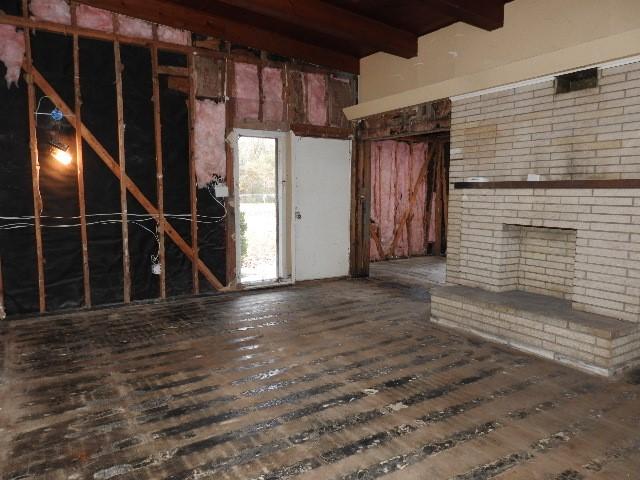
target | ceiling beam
x=336, y=22
x=488, y=14
x=178, y=16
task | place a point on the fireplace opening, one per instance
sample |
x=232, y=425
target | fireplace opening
x=542, y=260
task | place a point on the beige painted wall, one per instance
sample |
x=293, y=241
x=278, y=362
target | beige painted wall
x=540, y=37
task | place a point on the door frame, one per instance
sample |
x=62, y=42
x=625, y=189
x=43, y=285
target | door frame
x=284, y=210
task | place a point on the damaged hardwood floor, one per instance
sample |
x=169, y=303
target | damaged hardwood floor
x=333, y=380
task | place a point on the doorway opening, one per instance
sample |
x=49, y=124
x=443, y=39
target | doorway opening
x=409, y=192
x=261, y=244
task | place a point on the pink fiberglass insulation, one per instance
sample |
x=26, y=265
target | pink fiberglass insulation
x=174, y=35
x=94, y=18
x=209, y=151
x=395, y=167
x=401, y=200
x=416, y=225
x=387, y=179
x=273, y=107
x=11, y=52
x=316, y=98
x=134, y=27
x=57, y=11
x=246, y=91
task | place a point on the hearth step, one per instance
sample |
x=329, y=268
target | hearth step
x=541, y=325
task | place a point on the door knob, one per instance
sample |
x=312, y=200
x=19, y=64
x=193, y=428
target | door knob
x=298, y=215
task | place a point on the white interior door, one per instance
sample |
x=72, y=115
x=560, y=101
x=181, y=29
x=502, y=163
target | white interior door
x=322, y=201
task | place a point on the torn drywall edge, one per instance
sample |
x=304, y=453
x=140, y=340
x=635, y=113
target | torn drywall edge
x=316, y=98
x=57, y=11
x=94, y=18
x=272, y=87
x=246, y=91
x=12, y=50
x=209, y=144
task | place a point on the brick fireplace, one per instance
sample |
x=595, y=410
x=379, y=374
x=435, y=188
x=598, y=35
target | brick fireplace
x=570, y=242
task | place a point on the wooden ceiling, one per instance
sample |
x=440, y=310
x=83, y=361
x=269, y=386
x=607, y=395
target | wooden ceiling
x=333, y=33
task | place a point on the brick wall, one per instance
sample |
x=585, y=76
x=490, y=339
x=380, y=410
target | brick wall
x=546, y=261
x=482, y=243
x=589, y=134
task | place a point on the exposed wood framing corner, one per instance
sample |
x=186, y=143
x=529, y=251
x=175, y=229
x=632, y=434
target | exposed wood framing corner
x=131, y=187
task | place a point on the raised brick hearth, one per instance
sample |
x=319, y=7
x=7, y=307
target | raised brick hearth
x=541, y=325
x=576, y=246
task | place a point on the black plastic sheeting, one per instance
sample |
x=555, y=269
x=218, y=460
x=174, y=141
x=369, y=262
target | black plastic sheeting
x=175, y=151
x=11, y=7
x=62, y=246
x=211, y=237
x=102, y=187
x=17, y=247
x=139, y=140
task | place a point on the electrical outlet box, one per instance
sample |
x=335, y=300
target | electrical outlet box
x=221, y=190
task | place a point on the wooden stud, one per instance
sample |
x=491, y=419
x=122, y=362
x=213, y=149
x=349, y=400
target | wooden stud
x=261, y=95
x=112, y=165
x=126, y=263
x=80, y=165
x=157, y=124
x=193, y=186
x=35, y=164
x=231, y=269
x=365, y=198
x=361, y=209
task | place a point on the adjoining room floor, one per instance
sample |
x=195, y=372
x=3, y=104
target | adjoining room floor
x=419, y=271
x=329, y=380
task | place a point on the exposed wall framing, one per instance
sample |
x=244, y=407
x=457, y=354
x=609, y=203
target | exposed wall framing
x=207, y=73
x=426, y=123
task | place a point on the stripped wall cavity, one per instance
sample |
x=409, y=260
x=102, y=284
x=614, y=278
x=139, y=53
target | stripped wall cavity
x=395, y=170
x=209, y=138
x=178, y=104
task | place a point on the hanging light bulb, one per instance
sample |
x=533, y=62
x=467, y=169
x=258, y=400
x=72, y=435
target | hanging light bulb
x=61, y=156
x=60, y=152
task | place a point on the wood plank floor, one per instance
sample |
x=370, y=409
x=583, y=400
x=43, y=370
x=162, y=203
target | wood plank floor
x=420, y=271
x=330, y=380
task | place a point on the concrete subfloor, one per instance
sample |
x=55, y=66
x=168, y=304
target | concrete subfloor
x=327, y=380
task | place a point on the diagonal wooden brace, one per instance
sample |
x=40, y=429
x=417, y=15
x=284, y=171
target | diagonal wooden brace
x=108, y=160
x=412, y=200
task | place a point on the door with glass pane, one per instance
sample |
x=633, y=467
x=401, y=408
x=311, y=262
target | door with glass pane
x=260, y=183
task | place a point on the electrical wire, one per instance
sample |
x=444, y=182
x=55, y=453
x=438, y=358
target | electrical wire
x=207, y=219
